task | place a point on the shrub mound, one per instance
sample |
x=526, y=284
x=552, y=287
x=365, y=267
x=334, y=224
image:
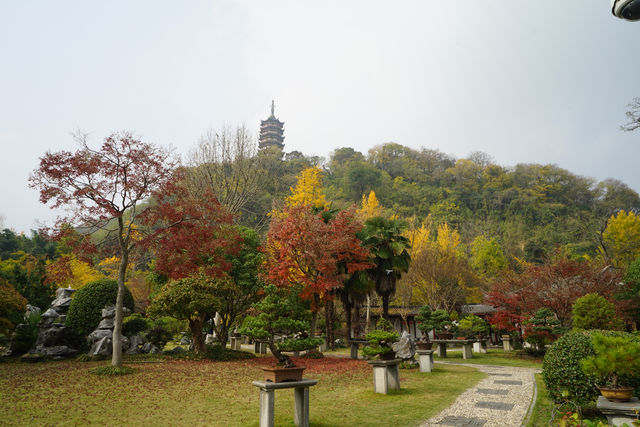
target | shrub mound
x=112, y=371
x=85, y=311
x=561, y=368
x=134, y=324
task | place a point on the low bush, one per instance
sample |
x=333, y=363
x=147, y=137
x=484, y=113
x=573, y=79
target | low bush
x=25, y=335
x=159, y=337
x=112, y=371
x=593, y=311
x=85, y=311
x=562, y=370
x=134, y=324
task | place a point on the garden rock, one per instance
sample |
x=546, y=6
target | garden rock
x=405, y=348
x=135, y=344
x=103, y=347
x=54, y=338
x=150, y=348
x=100, y=340
x=176, y=350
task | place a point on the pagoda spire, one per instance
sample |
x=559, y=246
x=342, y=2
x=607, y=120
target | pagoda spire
x=273, y=108
x=271, y=131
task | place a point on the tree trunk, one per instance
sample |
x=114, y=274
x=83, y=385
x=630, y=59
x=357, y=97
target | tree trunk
x=356, y=315
x=195, y=326
x=283, y=360
x=328, y=318
x=314, y=315
x=366, y=325
x=347, y=314
x=116, y=358
x=385, y=306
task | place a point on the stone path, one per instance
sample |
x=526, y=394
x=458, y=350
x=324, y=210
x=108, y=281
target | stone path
x=500, y=400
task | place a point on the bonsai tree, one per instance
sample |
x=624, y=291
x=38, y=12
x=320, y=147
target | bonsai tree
x=440, y=320
x=380, y=339
x=472, y=325
x=425, y=320
x=614, y=357
x=543, y=328
x=280, y=313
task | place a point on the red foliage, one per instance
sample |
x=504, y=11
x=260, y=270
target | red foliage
x=191, y=232
x=304, y=248
x=554, y=285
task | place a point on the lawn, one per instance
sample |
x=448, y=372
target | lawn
x=494, y=357
x=174, y=392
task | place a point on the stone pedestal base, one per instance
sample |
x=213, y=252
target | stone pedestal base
x=480, y=346
x=441, y=351
x=385, y=375
x=236, y=343
x=425, y=358
x=466, y=351
x=260, y=347
x=300, y=401
x=506, y=343
x=619, y=413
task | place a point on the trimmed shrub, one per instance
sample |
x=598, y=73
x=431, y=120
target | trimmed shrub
x=593, y=311
x=561, y=369
x=134, y=324
x=25, y=334
x=85, y=311
x=159, y=337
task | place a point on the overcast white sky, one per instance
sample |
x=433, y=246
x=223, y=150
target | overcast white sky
x=542, y=81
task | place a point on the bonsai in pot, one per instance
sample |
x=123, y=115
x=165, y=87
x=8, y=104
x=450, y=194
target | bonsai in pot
x=615, y=357
x=380, y=341
x=280, y=313
x=440, y=321
x=426, y=325
x=472, y=325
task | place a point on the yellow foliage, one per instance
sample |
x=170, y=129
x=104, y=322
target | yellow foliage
x=109, y=267
x=308, y=190
x=448, y=240
x=622, y=238
x=419, y=238
x=370, y=206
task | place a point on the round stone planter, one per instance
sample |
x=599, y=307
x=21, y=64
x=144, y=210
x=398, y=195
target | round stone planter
x=620, y=394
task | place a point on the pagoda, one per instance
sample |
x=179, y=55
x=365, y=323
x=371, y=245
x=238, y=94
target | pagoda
x=271, y=131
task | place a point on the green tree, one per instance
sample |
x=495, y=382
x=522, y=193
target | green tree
x=389, y=249
x=621, y=238
x=593, y=311
x=12, y=307
x=487, y=258
x=193, y=299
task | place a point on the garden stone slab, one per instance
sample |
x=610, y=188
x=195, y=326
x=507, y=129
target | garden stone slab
x=501, y=406
x=462, y=421
x=493, y=391
x=500, y=374
x=508, y=382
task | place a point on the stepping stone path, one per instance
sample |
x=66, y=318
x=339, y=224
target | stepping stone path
x=500, y=400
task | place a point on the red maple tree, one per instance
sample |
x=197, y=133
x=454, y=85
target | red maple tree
x=102, y=190
x=555, y=285
x=318, y=250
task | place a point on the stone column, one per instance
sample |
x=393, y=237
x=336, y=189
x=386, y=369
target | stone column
x=301, y=406
x=267, y=401
x=425, y=358
x=466, y=350
x=442, y=350
x=354, y=350
x=506, y=343
x=385, y=375
x=480, y=346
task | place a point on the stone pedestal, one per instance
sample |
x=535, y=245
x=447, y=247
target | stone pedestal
x=300, y=401
x=385, y=375
x=480, y=346
x=425, y=358
x=619, y=413
x=466, y=350
x=506, y=343
x=441, y=351
x=236, y=343
x=260, y=347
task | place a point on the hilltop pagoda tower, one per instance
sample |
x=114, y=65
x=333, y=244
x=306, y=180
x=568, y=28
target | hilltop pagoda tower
x=271, y=131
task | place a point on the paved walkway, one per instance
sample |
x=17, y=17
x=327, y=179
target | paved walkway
x=500, y=400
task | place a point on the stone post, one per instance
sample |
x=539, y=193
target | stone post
x=300, y=399
x=442, y=350
x=354, y=350
x=425, y=358
x=480, y=346
x=466, y=350
x=267, y=407
x=506, y=343
x=301, y=406
x=385, y=375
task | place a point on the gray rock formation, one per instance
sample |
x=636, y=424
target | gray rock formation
x=405, y=348
x=54, y=339
x=100, y=340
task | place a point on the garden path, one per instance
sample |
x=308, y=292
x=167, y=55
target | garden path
x=502, y=399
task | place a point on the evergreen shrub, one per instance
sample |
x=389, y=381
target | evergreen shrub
x=562, y=370
x=85, y=311
x=134, y=324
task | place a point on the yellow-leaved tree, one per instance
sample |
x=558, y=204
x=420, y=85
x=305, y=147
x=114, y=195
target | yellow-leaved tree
x=308, y=190
x=621, y=238
x=370, y=207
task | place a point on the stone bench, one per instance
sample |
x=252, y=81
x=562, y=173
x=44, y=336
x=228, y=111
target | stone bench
x=355, y=344
x=619, y=413
x=466, y=347
x=300, y=400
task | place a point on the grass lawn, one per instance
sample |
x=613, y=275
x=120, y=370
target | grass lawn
x=175, y=392
x=494, y=357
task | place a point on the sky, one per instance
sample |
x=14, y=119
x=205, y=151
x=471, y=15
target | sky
x=525, y=82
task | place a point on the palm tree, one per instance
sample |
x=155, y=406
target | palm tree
x=388, y=247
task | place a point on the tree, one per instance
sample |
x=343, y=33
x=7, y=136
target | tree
x=193, y=299
x=621, y=238
x=308, y=190
x=226, y=163
x=100, y=185
x=593, y=311
x=633, y=115
x=487, y=257
x=314, y=249
x=390, y=256
x=542, y=328
x=12, y=306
